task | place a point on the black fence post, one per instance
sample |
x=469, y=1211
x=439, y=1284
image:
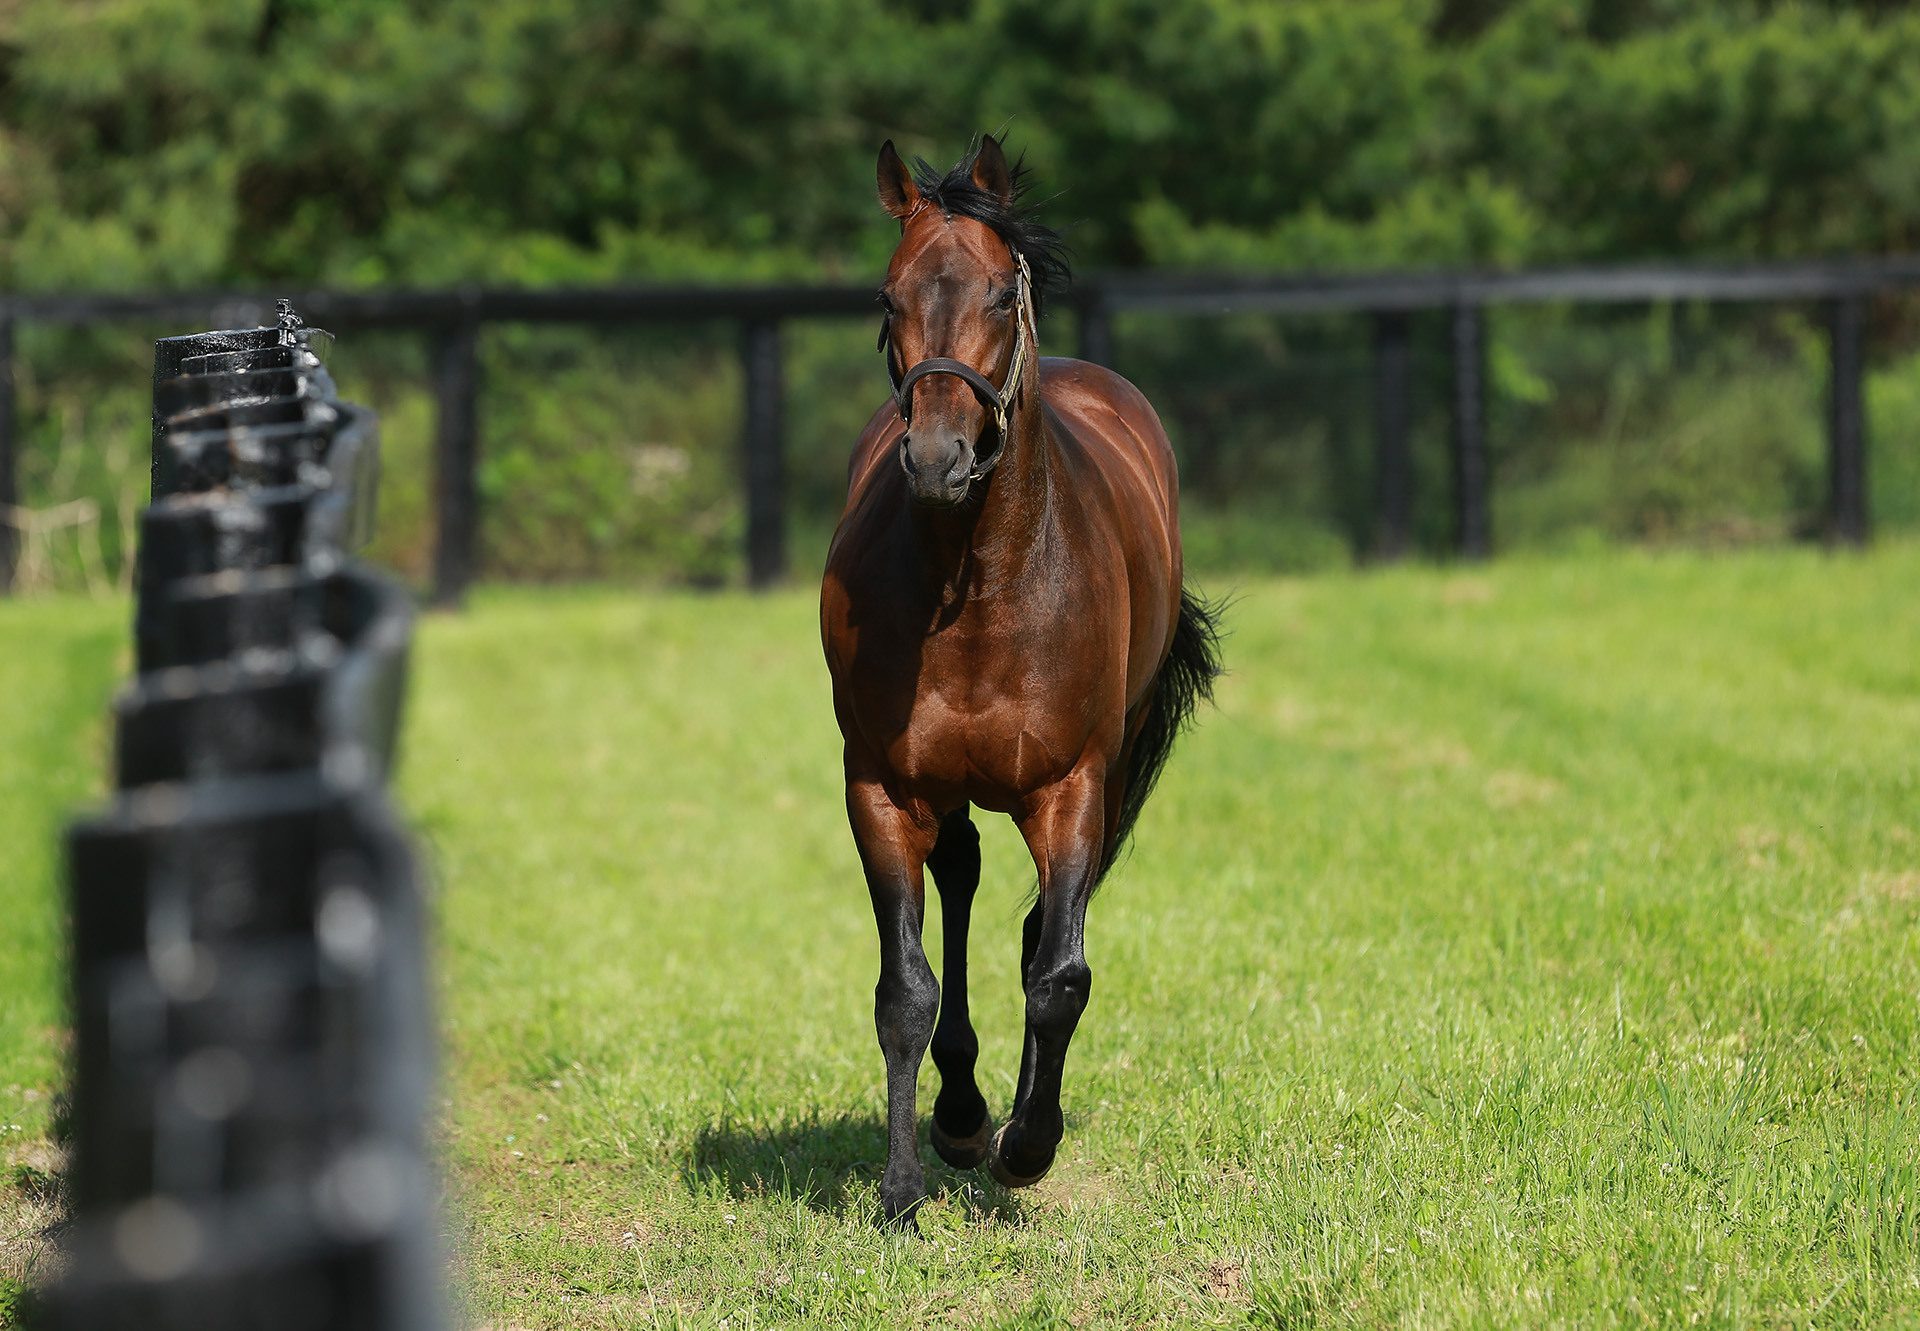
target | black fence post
x=1471, y=523
x=456, y=459
x=250, y=1087
x=1847, y=423
x=1096, y=332
x=763, y=456
x=1392, y=419
x=9, y=459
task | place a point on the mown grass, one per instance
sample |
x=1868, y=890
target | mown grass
x=58, y=661
x=1526, y=947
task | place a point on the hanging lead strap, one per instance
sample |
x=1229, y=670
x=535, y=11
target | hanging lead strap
x=1016, y=371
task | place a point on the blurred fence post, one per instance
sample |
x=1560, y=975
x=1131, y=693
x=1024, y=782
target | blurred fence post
x=1393, y=460
x=1846, y=422
x=1471, y=525
x=9, y=458
x=456, y=459
x=763, y=456
x=1096, y=332
x=249, y=1138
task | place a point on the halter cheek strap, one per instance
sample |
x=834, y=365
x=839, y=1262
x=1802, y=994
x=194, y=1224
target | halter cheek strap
x=997, y=400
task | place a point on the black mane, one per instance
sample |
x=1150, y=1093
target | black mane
x=955, y=194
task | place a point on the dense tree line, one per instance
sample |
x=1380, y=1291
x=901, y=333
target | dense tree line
x=178, y=142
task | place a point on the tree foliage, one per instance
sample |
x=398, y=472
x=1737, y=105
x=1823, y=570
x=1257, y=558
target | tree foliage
x=184, y=142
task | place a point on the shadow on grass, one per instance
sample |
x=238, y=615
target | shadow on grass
x=832, y=1166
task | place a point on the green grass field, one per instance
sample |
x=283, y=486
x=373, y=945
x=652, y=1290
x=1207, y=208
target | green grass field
x=1528, y=947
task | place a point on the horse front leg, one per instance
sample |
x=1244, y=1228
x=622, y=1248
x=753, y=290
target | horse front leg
x=1029, y=946
x=962, y=1128
x=894, y=844
x=1065, y=834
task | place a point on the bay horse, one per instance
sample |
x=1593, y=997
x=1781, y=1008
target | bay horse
x=1006, y=627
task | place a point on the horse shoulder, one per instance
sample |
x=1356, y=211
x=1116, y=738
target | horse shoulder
x=1117, y=437
x=863, y=513
x=1113, y=421
x=877, y=439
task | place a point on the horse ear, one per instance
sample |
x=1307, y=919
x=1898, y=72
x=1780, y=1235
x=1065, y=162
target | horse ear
x=898, y=194
x=990, y=170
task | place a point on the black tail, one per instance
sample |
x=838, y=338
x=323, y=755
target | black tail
x=1192, y=664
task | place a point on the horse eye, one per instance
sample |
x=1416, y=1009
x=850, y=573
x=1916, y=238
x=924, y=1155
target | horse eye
x=886, y=304
x=1005, y=299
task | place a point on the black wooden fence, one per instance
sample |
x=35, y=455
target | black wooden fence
x=454, y=318
x=253, y=1049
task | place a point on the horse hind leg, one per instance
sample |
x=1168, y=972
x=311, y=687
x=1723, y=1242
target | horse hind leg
x=962, y=1128
x=1036, y=917
x=1066, y=838
x=1029, y=1055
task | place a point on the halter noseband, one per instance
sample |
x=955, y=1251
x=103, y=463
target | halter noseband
x=997, y=400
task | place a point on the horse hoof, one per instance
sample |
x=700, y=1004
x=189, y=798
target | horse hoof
x=1004, y=1176
x=901, y=1217
x=967, y=1152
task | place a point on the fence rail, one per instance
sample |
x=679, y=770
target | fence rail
x=453, y=318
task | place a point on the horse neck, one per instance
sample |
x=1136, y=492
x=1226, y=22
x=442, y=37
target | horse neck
x=986, y=541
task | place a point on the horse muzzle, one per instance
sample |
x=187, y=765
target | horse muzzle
x=940, y=472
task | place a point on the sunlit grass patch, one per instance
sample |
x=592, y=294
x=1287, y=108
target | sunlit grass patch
x=1527, y=947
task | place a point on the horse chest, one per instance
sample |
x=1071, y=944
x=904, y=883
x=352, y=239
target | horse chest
x=980, y=722
x=992, y=756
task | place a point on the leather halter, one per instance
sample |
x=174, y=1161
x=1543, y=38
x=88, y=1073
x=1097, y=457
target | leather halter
x=997, y=400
